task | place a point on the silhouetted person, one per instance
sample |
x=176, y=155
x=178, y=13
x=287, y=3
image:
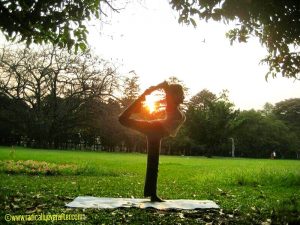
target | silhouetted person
x=155, y=130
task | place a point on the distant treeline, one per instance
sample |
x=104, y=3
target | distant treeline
x=50, y=98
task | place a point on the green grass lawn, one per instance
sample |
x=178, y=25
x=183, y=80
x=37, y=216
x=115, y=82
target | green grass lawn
x=249, y=191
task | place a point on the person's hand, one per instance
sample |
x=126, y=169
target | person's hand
x=164, y=85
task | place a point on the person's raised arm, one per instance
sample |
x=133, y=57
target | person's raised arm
x=124, y=117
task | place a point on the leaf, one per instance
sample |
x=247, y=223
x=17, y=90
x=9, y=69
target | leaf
x=17, y=199
x=76, y=48
x=65, y=198
x=82, y=46
x=37, y=196
x=193, y=22
x=15, y=206
x=220, y=190
x=180, y=215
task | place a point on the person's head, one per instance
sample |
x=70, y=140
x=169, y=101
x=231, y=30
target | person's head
x=174, y=94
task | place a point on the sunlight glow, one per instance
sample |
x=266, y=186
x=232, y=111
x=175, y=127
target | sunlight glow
x=154, y=102
x=150, y=103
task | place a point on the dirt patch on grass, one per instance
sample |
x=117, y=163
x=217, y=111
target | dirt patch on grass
x=32, y=167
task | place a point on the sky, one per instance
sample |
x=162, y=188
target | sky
x=146, y=37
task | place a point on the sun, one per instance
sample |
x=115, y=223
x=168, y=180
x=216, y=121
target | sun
x=153, y=102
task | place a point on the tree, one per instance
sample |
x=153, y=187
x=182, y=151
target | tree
x=268, y=109
x=258, y=134
x=58, y=21
x=130, y=90
x=209, y=119
x=275, y=22
x=14, y=115
x=202, y=100
x=57, y=87
x=288, y=111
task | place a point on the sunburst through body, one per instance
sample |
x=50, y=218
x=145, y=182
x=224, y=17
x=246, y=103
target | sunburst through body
x=154, y=102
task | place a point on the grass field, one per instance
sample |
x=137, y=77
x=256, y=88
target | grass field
x=249, y=191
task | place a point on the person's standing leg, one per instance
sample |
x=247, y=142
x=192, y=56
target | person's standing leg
x=153, y=147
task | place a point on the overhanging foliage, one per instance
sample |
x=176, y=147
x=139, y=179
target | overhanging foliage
x=275, y=22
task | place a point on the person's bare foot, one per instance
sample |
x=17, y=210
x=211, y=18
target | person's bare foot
x=156, y=199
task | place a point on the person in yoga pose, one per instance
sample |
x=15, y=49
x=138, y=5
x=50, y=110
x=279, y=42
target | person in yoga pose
x=157, y=129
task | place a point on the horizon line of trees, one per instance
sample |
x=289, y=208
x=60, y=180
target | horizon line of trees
x=52, y=98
